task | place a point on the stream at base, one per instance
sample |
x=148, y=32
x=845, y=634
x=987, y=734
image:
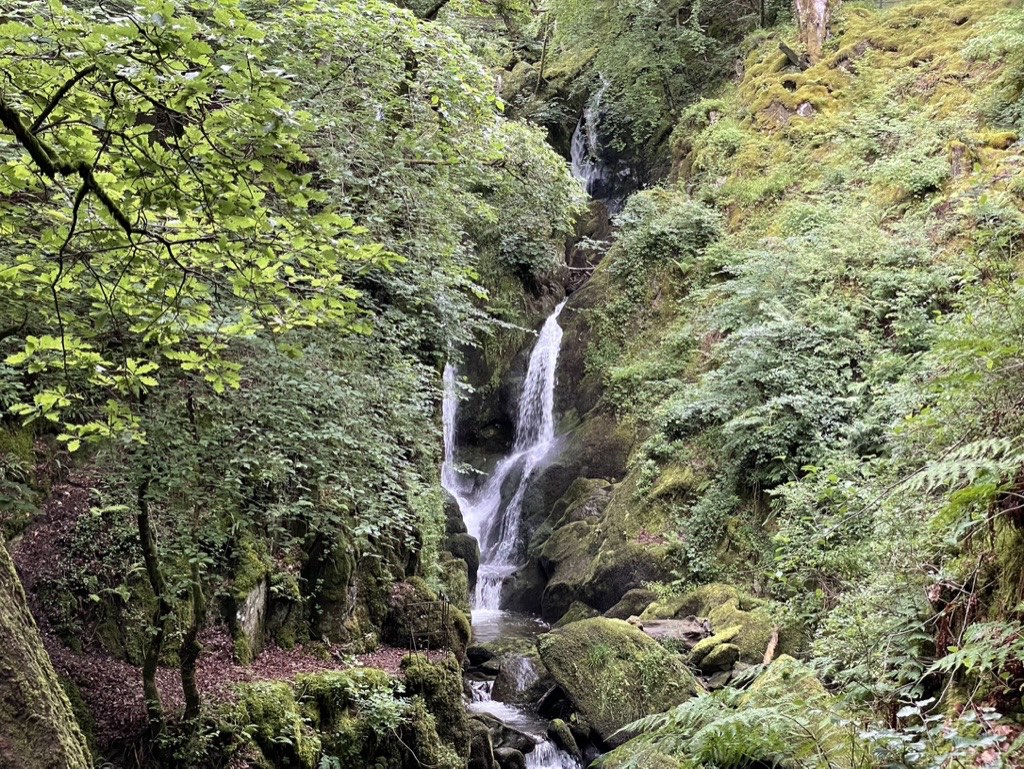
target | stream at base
x=491, y=625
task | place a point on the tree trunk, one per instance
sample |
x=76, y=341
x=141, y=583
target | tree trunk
x=151, y=557
x=191, y=648
x=37, y=727
x=814, y=19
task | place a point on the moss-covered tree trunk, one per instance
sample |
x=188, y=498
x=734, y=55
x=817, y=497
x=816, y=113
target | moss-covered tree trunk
x=37, y=728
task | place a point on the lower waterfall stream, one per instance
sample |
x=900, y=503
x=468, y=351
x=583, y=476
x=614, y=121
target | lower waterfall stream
x=495, y=520
x=492, y=509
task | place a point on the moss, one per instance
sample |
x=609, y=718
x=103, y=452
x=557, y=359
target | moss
x=999, y=140
x=269, y=713
x=708, y=645
x=328, y=697
x=440, y=686
x=415, y=617
x=577, y=611
x=455, y=581
x=37, y=722
x=784, y=674
x=727, y=608
x=722, y=657
x=560, y=734
x=614, y=673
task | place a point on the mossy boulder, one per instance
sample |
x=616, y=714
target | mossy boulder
x=481, y=746
x=560, y=734
x=269, y=714
x=632, y=604
x=721, y=658
x=37, y=725
x=467, y=549
x=626, y=756
x=440, y=686
x=784, y=674
x=455, y=581
x=746, y=620
x=614, y=674
x=521, y=678
x=577, y=611
x=415, y=619
x=510, y=758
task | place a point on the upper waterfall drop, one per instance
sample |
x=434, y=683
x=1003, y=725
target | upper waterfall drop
x=585, y=152
x=494, y=521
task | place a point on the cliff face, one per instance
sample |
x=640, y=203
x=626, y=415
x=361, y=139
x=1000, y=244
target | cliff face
x=37, y=727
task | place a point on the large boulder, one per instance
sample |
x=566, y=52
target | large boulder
x=614, y=674
x=633, y=603
x=736, y=618
x=521, y=678
x=37, y=727
x=416, y=620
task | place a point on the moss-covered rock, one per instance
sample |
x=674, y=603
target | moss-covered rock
x=440, y=686
x=632, y=604
x=269, y=714
x=522, y=678
x=721, y=658
x=467, y=549
x=747, y=621
x=415, y=619
x=577, y=611
x=481, y=746
x=37, y=725
x=614, y=674
x=560, y=734
x=784, y=674
x=625, y=756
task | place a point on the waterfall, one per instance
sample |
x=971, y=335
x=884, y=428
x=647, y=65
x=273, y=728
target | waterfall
x=497, y=526
x=586, y=148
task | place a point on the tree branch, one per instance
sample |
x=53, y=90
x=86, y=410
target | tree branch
x=61, y=93
x=51, y=164
x=435, y=9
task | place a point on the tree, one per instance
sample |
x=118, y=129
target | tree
x=155, y=205
x=814, y=19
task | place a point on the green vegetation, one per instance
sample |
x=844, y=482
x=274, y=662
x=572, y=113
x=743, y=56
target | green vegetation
x=240, y=240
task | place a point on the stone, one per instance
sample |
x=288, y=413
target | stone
x=726, y=608
x=481, y=748
x=453, y=522
x=577, y=611
x=680, y=635
x=251, y=617
x=614, y=674
x=521, y=679
x=632, y=603
x=466, y=548
x=510, y=758
x=721, y=658
x=560, y=734
x=505, y=736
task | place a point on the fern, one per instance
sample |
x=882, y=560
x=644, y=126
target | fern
x=786, y=724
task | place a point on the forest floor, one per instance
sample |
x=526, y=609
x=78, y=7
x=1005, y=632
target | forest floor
x=112, y=688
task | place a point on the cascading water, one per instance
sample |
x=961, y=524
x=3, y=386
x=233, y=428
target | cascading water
x=586, y=148
x=494, y=523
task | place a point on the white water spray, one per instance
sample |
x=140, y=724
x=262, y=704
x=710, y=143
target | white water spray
x=586, y=148
x=497, y=526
